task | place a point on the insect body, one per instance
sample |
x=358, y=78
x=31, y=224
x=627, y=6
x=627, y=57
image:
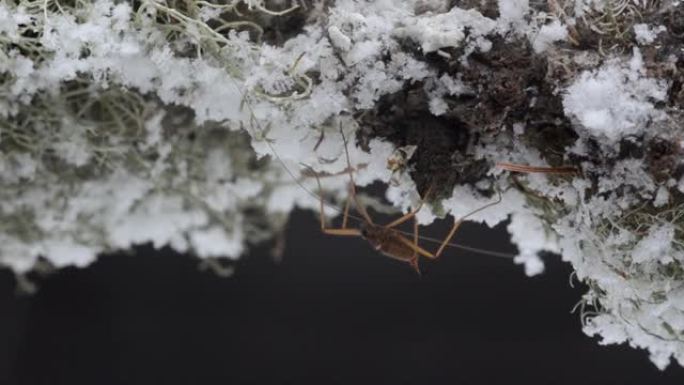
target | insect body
x=384, y=238
x=392, y=243
x=387, y=241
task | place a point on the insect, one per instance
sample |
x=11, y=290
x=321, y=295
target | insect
x=386, y=239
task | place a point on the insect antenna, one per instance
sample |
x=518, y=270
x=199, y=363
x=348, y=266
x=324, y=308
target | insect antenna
x=472, y=249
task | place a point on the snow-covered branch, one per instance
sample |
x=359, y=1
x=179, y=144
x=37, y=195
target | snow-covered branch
x=197, y=124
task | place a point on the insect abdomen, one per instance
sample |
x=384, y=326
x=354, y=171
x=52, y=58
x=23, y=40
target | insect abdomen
x=395, y=246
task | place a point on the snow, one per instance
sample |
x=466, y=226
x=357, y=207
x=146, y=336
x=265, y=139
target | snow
x=214, y=242
x=655, y=245
x=662, y=197
x=443, y=30
x=438, y=106
x=616, y=100
x=549, y=34
x=339, y=39
x=530, y=235
x=645, y=34
x=512, y=12
x=66, y=253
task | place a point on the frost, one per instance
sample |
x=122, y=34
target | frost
x=447, y=29
x=339, y=39
x=214, y=242
x=616, y=100
x=662, y=197
x=513, y=12
x=65, y=253
x=654, y=246
x=438, y=106
x=548, y=34
x=531, y=237
x=647, y=35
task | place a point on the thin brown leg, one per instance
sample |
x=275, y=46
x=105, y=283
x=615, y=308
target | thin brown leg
x=446, y=241
x=457, y=223
x=417, y=248
x=345, y=217
x=414, y=258
x=346, y=232
x=411, y=214
x=342, y=231
x=360, y=208
x=404, y=218
x=320, y=196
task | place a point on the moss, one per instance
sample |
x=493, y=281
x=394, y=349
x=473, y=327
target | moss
x=607, y=27
x=21, y=225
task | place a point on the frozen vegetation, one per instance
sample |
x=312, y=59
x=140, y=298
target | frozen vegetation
x=199, y=124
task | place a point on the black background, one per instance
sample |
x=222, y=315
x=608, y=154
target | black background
x=332, y=312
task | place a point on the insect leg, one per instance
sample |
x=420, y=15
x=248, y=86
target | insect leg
x=405, y=218
x=455, y=227
x=360, y=208
x=457, y=223
x=345, y=217
x=411, y=214
x=342, y=231
x=417, y=248
x=346, y=232
x=414, y=258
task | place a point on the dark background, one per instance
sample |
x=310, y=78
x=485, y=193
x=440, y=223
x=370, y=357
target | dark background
x=332, y=312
